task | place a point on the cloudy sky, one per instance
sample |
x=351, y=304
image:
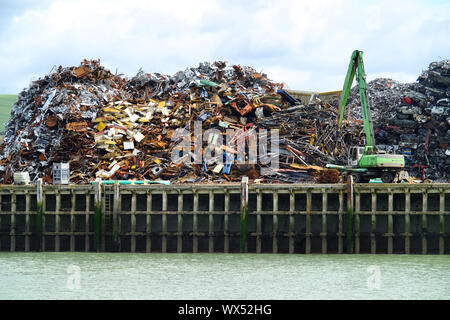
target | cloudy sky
x=305, y=44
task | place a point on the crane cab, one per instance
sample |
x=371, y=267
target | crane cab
x=355, y=154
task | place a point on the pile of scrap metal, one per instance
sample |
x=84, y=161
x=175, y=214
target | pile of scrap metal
x=114, y=128
x=50, y=121
x=420, y=124
x=384, y=96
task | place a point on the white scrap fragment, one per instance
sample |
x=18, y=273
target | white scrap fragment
x=112, y=164
x=134, y=117
x=113, y=170
x=128, y=145
x=164, y=111
x=128, y=111
x=218, y=168
x=135, y=152
x=138, y=137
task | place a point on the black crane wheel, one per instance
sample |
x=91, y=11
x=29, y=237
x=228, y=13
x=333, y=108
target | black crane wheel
x=387, y=177
x=356, y=177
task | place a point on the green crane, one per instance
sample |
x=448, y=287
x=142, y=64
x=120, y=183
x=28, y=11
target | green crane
x=366, y=162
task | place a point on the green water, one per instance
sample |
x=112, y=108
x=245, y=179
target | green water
x=222, y=276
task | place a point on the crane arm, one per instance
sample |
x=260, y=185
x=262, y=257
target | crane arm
x=357, y=64
x=347, y=86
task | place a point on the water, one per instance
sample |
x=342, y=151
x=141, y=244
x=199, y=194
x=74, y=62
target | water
x=222, y=276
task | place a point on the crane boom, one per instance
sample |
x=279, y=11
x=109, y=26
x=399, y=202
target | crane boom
x=356, y=67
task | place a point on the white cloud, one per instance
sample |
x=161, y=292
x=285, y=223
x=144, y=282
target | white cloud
x=306, y=44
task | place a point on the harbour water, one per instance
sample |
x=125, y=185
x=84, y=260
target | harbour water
x=222, y=276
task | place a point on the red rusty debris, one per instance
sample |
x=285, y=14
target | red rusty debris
x=77, y=126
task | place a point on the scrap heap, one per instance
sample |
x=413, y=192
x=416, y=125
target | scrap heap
x=110, y=127
x=50, y=122
x=384, y=94
x=419, y=122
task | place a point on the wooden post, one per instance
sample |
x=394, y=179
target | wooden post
x=373, y=224
x=72, y=222
x=291, y=220
x=87, y=224
x=116, y=211
x=148, y=240
x=275, y=223
x=349, y=214
x=211, y=223
x=356, y=225
x=226, y=244
x=407, y=221
x=390, y=222
x=258, y=220
x=244, y=214
x=441, y=222
x=324, y=221
x=57, y=220
x=13, y=223
x=164, y=222
x=424, y=221
x=133, y=221
x=40, y=213
x=195, y=224
x=180, y=223
x=340, y=223
x=308, y=223
x=27, y=221
x=98, y=214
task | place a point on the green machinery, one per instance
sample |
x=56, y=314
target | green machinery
x=366, y=162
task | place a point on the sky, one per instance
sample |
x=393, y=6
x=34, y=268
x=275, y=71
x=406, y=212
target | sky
x=304, y=44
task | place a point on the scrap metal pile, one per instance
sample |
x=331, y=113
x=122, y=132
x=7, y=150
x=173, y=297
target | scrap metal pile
x=115, y=128
x=420, y=122
x=384, y=94
x=50, y=121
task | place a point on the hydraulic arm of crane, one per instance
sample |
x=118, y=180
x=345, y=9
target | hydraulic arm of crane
x=357, y=66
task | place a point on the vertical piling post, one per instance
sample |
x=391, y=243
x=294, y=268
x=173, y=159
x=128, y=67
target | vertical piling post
x=195, y=223
x=275, y=223
x=357, y=211
x=133, y=221
x=211, y=223
x=258, y=220
x=340, y=223
x=72, y=222
x=407, y=220
x=349, y=214
x=27, y=221
x=424, y=222
x=373, y=224
x=164, y=222
x=57, y=220
x=116, y=211
x=390, y=222
x=148, y=241
x=244, y=214
x=180, y=223
x=291, y=220
x=97, y=214
x=441, y=222
x=13, y=222
x=40, y=212
x=87, y=224
x=324, y=220
x=226, y=244
x=308, y=223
